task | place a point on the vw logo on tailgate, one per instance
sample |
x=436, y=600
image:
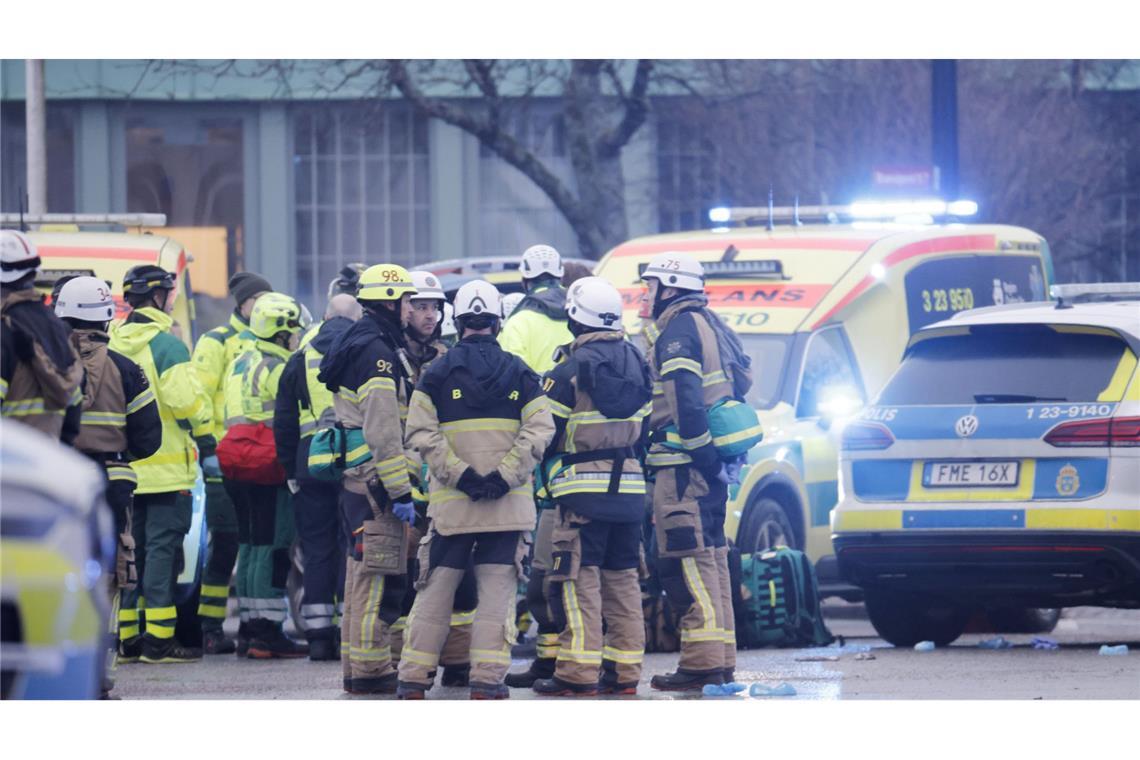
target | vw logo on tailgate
x=966, y=426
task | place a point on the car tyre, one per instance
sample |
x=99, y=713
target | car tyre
x=766, y=526
x=906, y=619
x=1023, y=619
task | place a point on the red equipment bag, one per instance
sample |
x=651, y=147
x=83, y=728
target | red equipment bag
x=248, y=453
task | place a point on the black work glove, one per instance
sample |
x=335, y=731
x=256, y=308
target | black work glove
x=494, y=487
x=378, y=492
x=471, y=483
x=707, y=461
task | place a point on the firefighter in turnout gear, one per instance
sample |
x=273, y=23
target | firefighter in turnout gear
x=479, y=419
x=254, y=478
x=600, y=396
x=162, y=503
x=40, y=372
x=214, y=353
x=424, y=346
x=536, y=329
x=120, y=421
x=368, y=372
x=302, y=401
x=690, y=486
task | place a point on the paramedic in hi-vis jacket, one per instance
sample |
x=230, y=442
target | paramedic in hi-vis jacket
x=690, y=483
x=478, y=417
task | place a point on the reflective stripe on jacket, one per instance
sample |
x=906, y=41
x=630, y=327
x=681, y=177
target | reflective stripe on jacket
x=454, y=425
x=591, y=487
x=688, y=379
x=145, y=339
x=213, y=355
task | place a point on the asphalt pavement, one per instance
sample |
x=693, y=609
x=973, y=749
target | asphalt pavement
x=860, y=666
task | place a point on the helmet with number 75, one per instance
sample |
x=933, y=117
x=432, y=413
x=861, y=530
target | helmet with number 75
x=676, y=270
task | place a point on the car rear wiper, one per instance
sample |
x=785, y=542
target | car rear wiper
x=1011, y=398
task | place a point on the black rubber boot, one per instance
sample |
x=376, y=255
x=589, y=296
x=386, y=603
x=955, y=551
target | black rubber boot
x=610, y=684
x=543, y=667
x=242, y=644
x=490, y=691
x=270, y=642
x=323, y=649
x=687, y=681
x=556, y=687
x=156, y=650
x=729, y=675
x=383, y=685
x=407, y=690
x=130, y=650
x=456, y=675
x=215, y=641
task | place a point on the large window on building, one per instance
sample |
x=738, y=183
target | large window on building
x=61, y=119
x=361, y=190
x=513, y=212
x=187, y=162
x=686, y=174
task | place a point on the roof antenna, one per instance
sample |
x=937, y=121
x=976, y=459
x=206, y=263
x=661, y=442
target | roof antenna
x=771, y=209
x=796, y=211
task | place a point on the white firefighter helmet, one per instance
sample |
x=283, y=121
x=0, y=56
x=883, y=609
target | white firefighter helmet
x=447, y=325
x=18, y=255
x=594, y=302
x=85, y=298
x=541, y=259
x=427, y=287
x=476, y=298
x=676, y=270
x=511, y=302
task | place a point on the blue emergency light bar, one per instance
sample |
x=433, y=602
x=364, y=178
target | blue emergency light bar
x=926, y=209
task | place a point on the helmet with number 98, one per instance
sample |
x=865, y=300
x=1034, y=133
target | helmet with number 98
x=385, y=282
x=676, y=270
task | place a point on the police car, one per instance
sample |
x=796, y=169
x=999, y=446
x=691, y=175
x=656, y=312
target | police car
x=999, y=467
x=56, y=551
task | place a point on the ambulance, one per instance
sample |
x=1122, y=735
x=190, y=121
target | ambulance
x=825, y=300
x=104, y=246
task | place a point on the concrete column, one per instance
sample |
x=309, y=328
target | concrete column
x=268, y=182
x=448, y=196
x=36, y=130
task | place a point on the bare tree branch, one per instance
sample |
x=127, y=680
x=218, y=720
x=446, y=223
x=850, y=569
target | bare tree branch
x=503, y=144
x=636, y=112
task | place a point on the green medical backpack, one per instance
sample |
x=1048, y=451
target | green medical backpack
x=778, y=601
x=335, y=449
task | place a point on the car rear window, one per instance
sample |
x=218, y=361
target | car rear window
x=1012, y=364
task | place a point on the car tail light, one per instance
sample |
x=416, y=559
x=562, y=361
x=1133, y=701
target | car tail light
x=1111, y=431
x=866, y=436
